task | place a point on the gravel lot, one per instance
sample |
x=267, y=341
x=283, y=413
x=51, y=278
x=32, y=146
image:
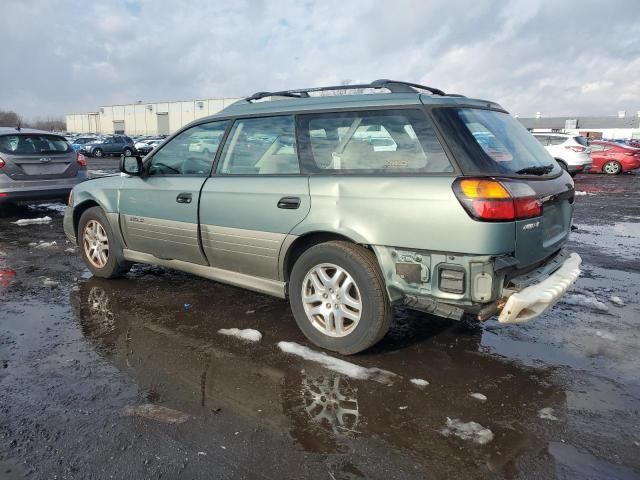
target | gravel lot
x=130, y=378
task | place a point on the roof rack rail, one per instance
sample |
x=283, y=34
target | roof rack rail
x=394, y=86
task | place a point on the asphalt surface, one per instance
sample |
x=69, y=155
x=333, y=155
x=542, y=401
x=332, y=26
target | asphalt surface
x=130, y=378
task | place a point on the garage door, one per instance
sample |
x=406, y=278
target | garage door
x=163, y=123
x=118, y=127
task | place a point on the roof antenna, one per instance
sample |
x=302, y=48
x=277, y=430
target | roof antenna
x=19, y=124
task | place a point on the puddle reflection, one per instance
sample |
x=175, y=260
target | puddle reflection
x=140, y=326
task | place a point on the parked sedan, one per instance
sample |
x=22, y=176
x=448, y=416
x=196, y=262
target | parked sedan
x=37, y=165
x=109, y=145
x=613, y=158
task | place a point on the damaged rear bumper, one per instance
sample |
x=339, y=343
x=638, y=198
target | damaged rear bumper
x=536, y=299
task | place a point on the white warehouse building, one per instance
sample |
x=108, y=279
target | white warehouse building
x=160, y=118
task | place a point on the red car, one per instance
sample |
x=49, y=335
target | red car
x=613, y=158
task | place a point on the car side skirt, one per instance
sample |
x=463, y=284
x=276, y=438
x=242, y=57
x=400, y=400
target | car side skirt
x=250, y=282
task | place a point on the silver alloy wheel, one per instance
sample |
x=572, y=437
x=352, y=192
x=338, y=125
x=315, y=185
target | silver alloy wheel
x=331, y=300
x=611, y=168
x=97, y=153
x=95, y=243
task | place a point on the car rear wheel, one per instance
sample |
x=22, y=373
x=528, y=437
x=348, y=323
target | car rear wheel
x=100, y=248
x=98, y=152
x=612, y=168
x=338, y=297
x=127, y=152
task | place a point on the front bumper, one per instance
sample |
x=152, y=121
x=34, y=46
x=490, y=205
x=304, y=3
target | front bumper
x=536, y=299
x=67, y=224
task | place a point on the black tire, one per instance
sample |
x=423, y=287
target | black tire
x=127, y=152
x=97, y=152
x=612, y=168
x=115, y=265
x=362, y=265
x=562, y=165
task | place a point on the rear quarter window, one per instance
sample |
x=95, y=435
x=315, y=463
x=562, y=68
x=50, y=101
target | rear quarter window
x=490, y=142
x=33, y=144
x=399, y=141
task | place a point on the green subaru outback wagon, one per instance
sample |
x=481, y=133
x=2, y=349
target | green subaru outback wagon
x=346, y=205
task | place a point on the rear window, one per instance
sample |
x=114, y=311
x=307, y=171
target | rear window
x=582, y=141
x=494, y=143
x=371, y=142
x=33, y=144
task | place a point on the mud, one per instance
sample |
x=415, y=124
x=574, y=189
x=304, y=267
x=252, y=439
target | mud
x=130, y=378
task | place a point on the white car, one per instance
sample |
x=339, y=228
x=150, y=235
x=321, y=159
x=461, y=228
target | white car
x=572, y=152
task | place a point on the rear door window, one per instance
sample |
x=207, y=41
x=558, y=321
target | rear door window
x=489, y=142
x=33, y=144
x=371, y=142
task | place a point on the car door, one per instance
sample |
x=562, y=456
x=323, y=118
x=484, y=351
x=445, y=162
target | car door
x=159, y=210
x=256, y=197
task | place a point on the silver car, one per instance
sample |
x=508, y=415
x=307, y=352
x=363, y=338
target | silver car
x=37, y=165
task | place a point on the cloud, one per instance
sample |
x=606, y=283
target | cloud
x=573, y=57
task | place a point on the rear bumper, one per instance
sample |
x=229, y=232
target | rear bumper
x=581, y=168
x=31, y=195
x=24, y=191
x=536, y=299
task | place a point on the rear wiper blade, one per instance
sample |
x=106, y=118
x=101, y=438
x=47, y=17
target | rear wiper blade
x=535, y=170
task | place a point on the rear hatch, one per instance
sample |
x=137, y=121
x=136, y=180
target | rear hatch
x=534, y=193
x=35, y=156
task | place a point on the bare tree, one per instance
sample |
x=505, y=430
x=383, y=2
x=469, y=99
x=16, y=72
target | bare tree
x=343, y=91
x=9, y=118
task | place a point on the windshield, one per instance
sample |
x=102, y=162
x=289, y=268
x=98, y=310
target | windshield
x=33, y=143
x=490, y=142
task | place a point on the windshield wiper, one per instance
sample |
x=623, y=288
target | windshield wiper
x=535, y=170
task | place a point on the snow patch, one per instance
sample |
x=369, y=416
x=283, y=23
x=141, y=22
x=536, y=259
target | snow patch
x=70, y=250
x=57, y=207
x=419, y=382
x=547, y=414
x=246, y=334
x=585, y=301
x=479, y=396
x=467, y=431
x=616, y=300
x=47, y=282
x=337, y=365
x=580, y=193
x=45, y=244
x=606, y=335
x=31, y=221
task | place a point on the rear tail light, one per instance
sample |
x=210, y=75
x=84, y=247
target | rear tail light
x=82, y=160
x=2, y=164
x=576, y=148
x=490, y=201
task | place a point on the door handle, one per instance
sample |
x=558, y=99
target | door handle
x=289, y=203
x=183, y=198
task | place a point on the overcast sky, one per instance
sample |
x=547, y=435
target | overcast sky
x=555, y=57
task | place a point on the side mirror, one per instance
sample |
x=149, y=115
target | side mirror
x=131, y=165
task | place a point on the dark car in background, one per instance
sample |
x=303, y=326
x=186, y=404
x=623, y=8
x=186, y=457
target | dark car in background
x=148, y=146
x=37, y=165
x=109, y=145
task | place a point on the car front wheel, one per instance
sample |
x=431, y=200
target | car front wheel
x=100, y=248
x=338, y=297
